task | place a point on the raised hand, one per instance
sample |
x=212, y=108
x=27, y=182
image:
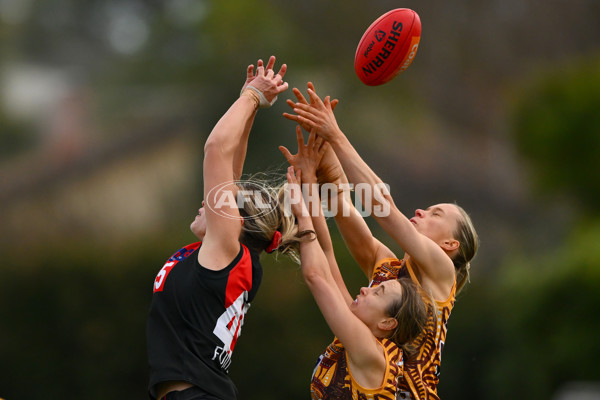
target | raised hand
x=302, y=100
x=315, y=114
x=266, y=83
x=250, y=74
x=309, y=155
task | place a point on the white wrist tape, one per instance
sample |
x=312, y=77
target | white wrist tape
x=264, y=103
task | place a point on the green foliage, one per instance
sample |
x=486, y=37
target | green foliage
x=531, y=326
x=557, y=127
x=74, y=324
x=14, y=137
x=73, y=317
x=531, y=330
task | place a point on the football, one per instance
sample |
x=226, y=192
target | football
x=388, y=46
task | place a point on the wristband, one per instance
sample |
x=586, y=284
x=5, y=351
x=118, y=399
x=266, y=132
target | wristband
x=263, y=102
x=252, y=95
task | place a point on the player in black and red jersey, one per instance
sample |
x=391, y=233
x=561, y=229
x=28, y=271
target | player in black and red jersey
x=202, y=293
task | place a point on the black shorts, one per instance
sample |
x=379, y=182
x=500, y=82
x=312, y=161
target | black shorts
x=192, y=393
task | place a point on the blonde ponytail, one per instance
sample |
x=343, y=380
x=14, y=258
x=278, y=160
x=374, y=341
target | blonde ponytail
x=260, y=227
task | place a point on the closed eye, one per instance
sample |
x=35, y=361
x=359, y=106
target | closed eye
x=437, y=211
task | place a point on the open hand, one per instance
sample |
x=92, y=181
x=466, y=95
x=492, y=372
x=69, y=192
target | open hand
x=315, y=114
x=266, y=81
x=309, y=155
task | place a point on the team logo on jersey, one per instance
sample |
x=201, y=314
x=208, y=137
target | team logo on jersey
x=181, y=254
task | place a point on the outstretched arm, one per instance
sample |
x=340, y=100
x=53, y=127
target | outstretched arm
x=306, y=162
x=432, y=260
x=240, y=154
x=223, y=222
x=357, y=338
x=363, y=246
x=318, y=115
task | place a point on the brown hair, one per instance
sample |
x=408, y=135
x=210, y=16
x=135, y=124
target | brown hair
x=411, y=312
x=469, y=244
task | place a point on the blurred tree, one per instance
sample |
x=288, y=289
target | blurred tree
x=15, y=137
x=547, y=318
x=532, y=328
x=557, y=128
x=73, y=314
x=73, y=322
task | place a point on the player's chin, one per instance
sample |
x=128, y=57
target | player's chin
x=197, y=229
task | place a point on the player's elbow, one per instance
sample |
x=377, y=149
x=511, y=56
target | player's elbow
x=216, y=147
x=312, y=274
x=213, y=143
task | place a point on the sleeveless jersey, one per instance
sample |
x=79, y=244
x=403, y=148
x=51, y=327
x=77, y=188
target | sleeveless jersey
x=196, y=317
x=333, y=380
x=422, y=371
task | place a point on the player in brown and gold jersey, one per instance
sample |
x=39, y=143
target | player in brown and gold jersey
x=439, y=242
x=365, y=359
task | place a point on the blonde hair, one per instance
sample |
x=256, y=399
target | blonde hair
x=469, y=244
x=259, y=226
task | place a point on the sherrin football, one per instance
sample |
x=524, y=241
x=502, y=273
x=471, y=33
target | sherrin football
x=388, y=46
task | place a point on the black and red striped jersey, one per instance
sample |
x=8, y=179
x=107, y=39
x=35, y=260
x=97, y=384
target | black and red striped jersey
x=196, y=317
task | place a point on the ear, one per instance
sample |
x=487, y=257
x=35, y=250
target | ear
x=450, y=244
x=388, y=324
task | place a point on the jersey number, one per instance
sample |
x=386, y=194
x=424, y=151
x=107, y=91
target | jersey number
x=229, y=328
x=159, y=282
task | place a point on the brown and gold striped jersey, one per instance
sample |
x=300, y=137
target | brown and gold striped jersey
x=332, y=378
x=421, y=370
